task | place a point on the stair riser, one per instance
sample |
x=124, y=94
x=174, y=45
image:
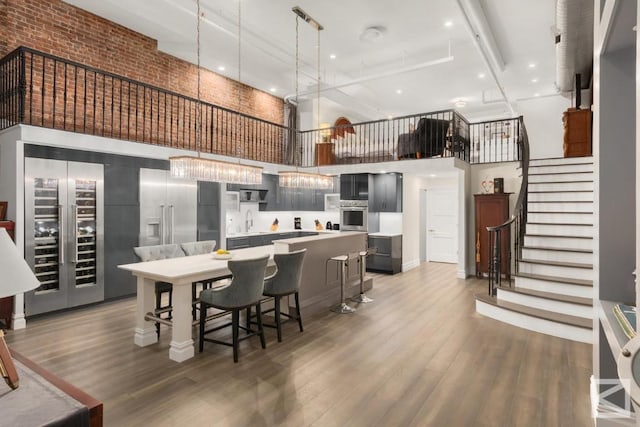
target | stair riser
x=535, y=324
x=556, y=271
x=560, y=256
x=560, y=207
x=561, y=177
x=561, y=217
x=558, y=242
x=562, y=307
x=560, y=230
x=564, y=196
x=561, y=186
x=577, y=168
x=560, y=161
x=555, y=287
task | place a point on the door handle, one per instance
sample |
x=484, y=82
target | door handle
x=61, y=235
x=162, y=225
x=74, y=209
x=171, y=222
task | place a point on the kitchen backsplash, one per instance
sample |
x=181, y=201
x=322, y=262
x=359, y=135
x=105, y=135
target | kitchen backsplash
x=237, y=221
x=391, y=222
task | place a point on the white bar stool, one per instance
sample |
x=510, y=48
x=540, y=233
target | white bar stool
x=361, y=297
x=343, y=260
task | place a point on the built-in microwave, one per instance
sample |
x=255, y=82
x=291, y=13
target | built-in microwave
x=354, y=215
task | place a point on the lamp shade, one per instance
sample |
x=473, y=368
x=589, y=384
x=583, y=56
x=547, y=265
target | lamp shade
x=16, y=277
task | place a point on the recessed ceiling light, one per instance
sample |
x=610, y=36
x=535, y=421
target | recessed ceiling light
x=273, y=89
x=399, y=91
x=332, y=56
x=432, y=175
x=481, y=75
x=460, y=103
x=448, y=24
x=534, y=80
x=532, y=65
x=536, y=94
x=221, y=68
x=383, y=171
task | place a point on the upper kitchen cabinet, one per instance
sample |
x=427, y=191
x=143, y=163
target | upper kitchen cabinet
x=354, y=186
x=387, y=193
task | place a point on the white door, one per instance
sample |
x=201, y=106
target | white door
x=442, y=225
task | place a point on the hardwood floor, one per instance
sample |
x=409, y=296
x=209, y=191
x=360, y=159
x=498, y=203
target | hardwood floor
x=417, y=356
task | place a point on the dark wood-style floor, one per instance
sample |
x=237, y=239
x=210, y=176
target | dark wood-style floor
x=418, y=356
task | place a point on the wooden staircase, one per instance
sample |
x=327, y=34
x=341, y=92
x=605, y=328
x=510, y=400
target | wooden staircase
x=553, y=289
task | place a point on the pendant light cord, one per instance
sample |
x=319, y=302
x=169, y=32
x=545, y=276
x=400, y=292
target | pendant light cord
x=318, y=81
x=199, y=105
x=239, y=150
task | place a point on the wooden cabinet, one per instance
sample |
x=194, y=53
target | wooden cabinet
x=324, y=154
x=491, y=210
x=6, y=304
x=577, y=133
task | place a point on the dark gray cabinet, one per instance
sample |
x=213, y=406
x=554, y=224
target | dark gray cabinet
x=387, y=193
x=208, y=218
x=388, y=257
x=354, y=186
x=263, y=239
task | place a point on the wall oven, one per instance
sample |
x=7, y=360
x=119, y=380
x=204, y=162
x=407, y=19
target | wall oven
x=353, y=215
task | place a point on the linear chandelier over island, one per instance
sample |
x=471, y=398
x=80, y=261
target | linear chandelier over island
x=295, y=179
x=202, y=169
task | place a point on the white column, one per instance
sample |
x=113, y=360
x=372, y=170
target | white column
x=145, y=332
x=181, y=339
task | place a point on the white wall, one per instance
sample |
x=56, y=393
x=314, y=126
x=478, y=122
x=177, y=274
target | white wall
x=543, y=119
x=411, y=214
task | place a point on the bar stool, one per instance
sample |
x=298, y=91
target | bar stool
x=344, y=261
x=361, y=297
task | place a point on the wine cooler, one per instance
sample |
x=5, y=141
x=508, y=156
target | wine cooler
x=64, y=233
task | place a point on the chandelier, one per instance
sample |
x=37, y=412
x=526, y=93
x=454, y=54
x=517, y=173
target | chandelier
x=202, y=169
x=305, y=179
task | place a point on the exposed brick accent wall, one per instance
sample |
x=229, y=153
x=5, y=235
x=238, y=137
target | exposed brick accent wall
x=63, y=30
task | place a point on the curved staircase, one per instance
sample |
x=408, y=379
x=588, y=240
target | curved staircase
x=552, y=291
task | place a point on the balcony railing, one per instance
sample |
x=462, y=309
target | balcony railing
x=44, y=90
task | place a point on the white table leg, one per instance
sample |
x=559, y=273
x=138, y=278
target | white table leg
x=145, y=333
x=181, y=338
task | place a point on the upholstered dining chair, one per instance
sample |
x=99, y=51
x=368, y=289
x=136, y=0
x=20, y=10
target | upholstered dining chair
x=244, y=291
x=285, y=281
x=153, y=253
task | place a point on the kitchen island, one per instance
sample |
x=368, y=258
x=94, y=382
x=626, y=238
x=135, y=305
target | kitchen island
x=320, y=283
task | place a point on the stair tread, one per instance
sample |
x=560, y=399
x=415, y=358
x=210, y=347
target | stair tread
x=550, y=295
x=566, y=319
x=559, y=223
x=558, y=263
x=560, y=201
x=558, y=235
x=579, y=282
x=562, y=212
x=562, y=182
x=547, y=248
x=560, y=191
x=557, y=173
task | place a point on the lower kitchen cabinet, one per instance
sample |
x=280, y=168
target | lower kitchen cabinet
x=388, y=256
x=263, y=239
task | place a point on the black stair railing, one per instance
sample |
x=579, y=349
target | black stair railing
x=499, y=235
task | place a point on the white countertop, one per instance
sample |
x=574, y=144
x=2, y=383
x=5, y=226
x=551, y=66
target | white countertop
x=320, y=236
x=385, y=234
x=279, y=231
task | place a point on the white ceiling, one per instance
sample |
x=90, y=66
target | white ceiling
x=415, y=37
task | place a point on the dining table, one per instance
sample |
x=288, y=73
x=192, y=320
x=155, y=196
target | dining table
x=181, y=272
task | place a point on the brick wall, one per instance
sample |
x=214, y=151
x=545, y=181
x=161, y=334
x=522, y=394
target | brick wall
x=55, y=27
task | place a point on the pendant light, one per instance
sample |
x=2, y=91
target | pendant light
x=296, y=179
x=202, y=169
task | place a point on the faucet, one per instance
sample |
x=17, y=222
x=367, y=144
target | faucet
x=248, y=220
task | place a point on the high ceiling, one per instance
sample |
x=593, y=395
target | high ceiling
x=423, y=56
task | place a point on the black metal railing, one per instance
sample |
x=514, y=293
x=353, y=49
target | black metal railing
x=40, y=89
x=44, y=90
x=501, y=234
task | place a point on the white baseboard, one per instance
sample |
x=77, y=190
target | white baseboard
x=461, y=274
x=406, y=266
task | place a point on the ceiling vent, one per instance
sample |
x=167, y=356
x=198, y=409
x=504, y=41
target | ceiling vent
x=372, y=34
x=574, y=43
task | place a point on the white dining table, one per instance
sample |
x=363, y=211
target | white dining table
x=181, y=273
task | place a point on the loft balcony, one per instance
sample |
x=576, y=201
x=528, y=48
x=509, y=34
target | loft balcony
x=40, y=89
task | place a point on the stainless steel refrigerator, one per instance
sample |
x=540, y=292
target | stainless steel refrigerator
x=168, y=208
x=64, y=236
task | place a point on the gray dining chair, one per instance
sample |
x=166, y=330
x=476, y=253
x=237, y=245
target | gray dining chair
x=285, y=281
x=153, y=253
x=244, y=291
x=199, y=248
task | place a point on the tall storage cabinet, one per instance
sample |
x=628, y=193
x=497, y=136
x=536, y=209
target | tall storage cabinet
x=491, y=210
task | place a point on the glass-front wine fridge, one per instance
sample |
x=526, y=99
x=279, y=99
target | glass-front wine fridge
x=64, y=233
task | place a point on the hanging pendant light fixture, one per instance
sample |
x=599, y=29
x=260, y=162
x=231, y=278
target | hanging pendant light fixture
x=296, y=179
x=202, y=169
